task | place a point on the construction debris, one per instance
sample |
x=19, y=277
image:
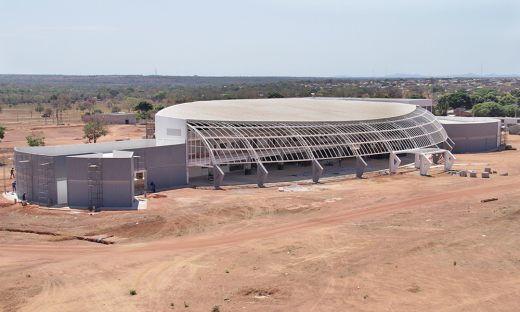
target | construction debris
x=488, y=200
x=505, y=174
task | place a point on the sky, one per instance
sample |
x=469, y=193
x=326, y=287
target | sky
x=300, y=38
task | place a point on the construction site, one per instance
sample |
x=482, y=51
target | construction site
x=433, y=232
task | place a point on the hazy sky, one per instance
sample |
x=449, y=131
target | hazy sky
x=260, y=38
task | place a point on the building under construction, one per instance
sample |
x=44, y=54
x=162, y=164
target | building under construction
x=217, y=135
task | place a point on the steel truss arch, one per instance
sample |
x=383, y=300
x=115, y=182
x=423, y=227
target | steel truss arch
x=232, y=142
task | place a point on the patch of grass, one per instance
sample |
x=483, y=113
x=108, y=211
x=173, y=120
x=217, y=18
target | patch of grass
x=215, y=309
x=27, y=275
x=172, y=305
x=185, y=304
x=366, y=296
x=227, y=271
x=133, y=292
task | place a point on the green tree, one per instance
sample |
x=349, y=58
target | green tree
x=113, y=93
x=143, y=106
x=11, y=100
x=510, y=110
x=488, y=109
x=97, y=111
x=35, y=139
x=129, y=103
x=159, y=96
x=39, y=109
x=274, y=94
x=96, y=127
x=416, y=96
x=2, y=132
x=436, y=89
x=227, y=96
x=323, y=92
x=81, y=106
x=477, y=99
x=507, y=100
x=455, y=100
x=490, y=97
x=157, y=108
x=116, y=109
x=48, y=112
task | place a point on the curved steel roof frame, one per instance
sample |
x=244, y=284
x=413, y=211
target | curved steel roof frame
x=223, y=142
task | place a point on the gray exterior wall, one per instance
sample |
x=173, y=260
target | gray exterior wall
x=117, y=175
x=68, y=181
x=29, y=180
x=115, y=118
x=165, y=165
x=473, y=137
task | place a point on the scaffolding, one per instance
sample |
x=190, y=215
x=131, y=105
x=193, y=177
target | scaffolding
x=139, y=172
x=45, y=179
x=139, y=161
x=95, y=184
x=150, y=130
x=24, y=175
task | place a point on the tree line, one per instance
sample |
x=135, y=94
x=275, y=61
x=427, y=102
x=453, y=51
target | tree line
x=482, y=102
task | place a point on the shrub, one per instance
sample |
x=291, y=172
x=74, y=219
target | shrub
x=133, y=292
x=35, y=139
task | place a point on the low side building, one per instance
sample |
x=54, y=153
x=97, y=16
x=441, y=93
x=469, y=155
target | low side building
x=97, y=175
x=114, y=118
x=472, y=134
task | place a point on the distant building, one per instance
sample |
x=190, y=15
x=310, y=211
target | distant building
x=114, y=118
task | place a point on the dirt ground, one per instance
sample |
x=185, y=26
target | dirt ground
x=400, y=242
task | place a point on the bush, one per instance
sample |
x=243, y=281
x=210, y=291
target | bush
x=35, y=139
x=274, y=95
x=116, y=109
x=133, y=292
x=215, y=309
